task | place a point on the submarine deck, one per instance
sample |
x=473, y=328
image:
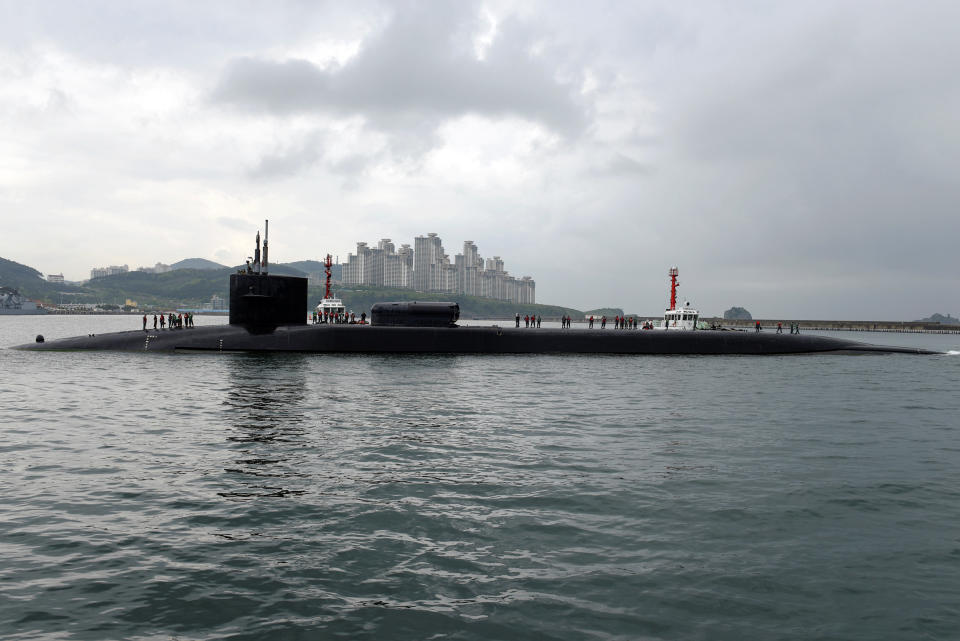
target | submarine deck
x=327, y=338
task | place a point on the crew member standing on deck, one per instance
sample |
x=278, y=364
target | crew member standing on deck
x=779, y=327
x=758, y=326
x=154, y=321
x=144, y=322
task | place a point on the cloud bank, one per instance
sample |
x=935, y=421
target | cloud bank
x=797, y=160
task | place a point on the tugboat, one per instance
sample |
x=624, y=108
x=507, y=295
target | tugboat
x=684, y=318
x=330, y=307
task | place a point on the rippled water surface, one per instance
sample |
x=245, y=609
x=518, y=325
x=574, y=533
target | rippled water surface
x=156, y=496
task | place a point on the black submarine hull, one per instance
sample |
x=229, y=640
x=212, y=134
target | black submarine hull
x=345, y=338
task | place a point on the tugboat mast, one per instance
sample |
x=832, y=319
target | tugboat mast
x=327, y=264
x=673, y=287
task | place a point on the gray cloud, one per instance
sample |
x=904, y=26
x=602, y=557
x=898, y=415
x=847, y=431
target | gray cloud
x=237, y=224
x=794, y=158
x=621, y=164
x=351, y=165
x=421, y=67
x=288, y=162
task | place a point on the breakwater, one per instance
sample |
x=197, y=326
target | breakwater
x=900, y=327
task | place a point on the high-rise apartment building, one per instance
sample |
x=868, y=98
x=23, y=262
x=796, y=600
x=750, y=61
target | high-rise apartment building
x=358, y=269
x=398, y=268
x=427, y=261
x=426, y=268
x=469, y=265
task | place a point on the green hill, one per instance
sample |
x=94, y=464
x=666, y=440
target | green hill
x=193, y=287
x=737, y=313
x=30, y=282
x=178, y=288
x=306, y=266
x=940, y=318
x=196, y=263
x=314, y=266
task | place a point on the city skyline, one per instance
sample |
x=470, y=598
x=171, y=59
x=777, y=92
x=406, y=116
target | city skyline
x=426, y=267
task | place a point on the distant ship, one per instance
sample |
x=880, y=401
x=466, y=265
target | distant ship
x=268, y=313
x=12, y=302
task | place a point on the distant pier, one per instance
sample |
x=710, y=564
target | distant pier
x=897, y=327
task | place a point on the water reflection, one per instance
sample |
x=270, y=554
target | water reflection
x=264, y=405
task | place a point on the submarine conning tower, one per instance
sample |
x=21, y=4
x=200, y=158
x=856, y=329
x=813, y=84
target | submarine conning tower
x=261, y=302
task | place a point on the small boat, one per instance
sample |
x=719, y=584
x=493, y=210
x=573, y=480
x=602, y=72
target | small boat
x=330, y=307
x=682, y=318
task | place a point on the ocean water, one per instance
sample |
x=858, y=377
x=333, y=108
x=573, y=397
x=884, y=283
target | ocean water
x=232, y=496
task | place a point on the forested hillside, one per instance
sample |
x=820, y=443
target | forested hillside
x=30, y=282
x=193, y=287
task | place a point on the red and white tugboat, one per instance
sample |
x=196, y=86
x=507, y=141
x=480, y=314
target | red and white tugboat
x=682, y=318
x=330, y=308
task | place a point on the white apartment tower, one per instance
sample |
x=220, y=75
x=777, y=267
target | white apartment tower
x=398, y=268
x=358, y=270
x=427, y=261
x=469, y=265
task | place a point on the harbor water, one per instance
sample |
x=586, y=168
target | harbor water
x=476, y=497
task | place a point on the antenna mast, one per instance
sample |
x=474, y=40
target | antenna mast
x=673, y=287
x=327, y=265
x=266, y=234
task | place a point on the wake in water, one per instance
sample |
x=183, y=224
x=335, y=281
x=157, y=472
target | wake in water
x=952, y=352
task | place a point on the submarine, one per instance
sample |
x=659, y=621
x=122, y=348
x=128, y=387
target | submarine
x=268, y=313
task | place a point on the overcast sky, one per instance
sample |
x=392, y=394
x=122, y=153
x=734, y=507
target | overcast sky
x=799, y=159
